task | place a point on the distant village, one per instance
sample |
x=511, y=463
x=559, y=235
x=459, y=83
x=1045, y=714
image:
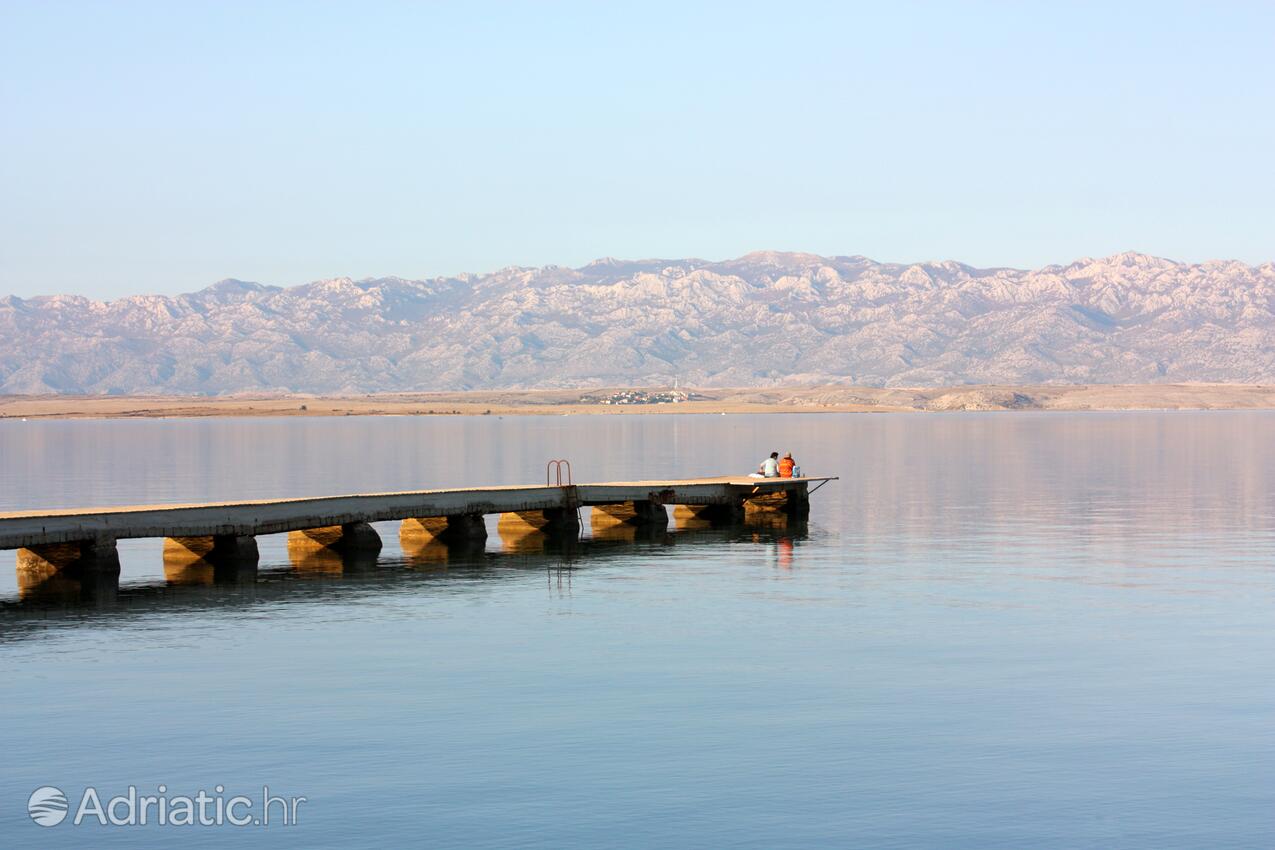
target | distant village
x=641, y=397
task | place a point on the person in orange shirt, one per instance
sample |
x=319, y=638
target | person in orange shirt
x=786, y=465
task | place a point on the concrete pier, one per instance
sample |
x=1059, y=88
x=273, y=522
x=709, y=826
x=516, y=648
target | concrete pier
x=74, y=542
x=790, y=503
x=211, y=548
x=456, y=527
x=210, y=559
x=348, y=537
x=636, y=512
x=551, y=521
x=73, y=557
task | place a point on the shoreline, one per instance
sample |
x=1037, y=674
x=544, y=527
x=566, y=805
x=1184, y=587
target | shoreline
x=795, y=399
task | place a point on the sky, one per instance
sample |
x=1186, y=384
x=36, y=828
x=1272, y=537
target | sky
x=160, y=147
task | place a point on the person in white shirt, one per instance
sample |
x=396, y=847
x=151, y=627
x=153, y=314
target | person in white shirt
x=769, y=467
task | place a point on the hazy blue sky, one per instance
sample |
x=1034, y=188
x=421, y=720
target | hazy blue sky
x=158, y=147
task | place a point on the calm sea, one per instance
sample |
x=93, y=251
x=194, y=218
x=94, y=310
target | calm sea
x=996, y=631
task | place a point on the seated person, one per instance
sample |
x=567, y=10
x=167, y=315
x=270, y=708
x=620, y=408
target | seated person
x=786, y=466
x=769, y=468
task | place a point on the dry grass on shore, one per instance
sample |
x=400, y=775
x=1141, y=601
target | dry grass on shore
x=561, y=402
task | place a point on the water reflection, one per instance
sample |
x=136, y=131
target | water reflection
x=91, y=589
x=625, y=533
x=431, y=552
x=318, y=562
x=201, y=572
x=535, y=542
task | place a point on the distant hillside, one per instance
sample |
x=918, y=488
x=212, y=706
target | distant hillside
x=760, y=320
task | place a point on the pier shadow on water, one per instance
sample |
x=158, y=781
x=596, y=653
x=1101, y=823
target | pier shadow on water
x=194, y=585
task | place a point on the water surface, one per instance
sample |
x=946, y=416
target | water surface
x=1002, y=630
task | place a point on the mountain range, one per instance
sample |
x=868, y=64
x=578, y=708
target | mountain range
x=763, y=319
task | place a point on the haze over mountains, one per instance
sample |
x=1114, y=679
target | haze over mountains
x=760, y=320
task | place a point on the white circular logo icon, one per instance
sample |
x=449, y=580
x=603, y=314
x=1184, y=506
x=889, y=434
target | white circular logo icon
x=47, y=806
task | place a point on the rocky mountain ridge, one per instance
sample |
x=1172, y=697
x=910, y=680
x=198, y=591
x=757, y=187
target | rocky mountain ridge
x=764, y=319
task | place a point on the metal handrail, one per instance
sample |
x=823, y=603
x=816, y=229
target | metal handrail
x=556, y=466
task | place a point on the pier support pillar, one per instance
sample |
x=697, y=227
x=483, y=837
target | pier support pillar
x=798, y=506
x=639, y=512
x=554, y=522
x=449, y=529
x=83, y=571
x=214, y=548
x=213, y=559
x=793, y=502
x=438, y=541
x=350, y=537
x=76, y=558
x=465, y=527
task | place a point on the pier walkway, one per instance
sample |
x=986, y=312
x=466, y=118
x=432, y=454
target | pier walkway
x=51, y=541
